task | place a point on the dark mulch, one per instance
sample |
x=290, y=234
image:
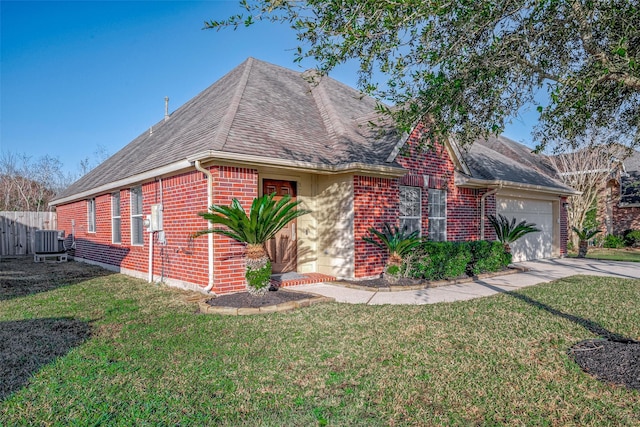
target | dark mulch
x=616, y=362
x=246, y=300
x=21, y=276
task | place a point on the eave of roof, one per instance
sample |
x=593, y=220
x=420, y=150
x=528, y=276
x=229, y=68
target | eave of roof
x=213, y=156
x=464, y=181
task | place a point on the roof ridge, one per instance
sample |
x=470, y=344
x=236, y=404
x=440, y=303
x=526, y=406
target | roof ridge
x=334, y=127
x=225, y=124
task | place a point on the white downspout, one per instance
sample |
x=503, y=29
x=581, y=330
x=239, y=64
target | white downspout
x=150, y=256
x=483, y=207
x=210, y=225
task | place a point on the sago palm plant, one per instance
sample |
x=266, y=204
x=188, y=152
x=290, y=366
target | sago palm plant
x=508, y=231
x=265, y=218
x=394, y=241
x=584, y=236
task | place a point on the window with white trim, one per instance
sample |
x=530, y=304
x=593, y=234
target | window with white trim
x=437, y=215
x=137, y=226
x=116, y=219
x=91, y=215
x=410, y=209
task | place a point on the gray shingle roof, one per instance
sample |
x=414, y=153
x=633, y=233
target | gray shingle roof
x=501, y=159
x=256, y=109
x=261, y=109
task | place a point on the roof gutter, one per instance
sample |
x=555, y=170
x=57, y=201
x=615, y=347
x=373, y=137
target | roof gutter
x=135, y=179
x=486, y=183
x=317, y=168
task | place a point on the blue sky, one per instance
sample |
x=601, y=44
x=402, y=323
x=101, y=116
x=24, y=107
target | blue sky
x=80, y=76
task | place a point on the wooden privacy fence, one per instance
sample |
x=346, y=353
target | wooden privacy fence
x=17, y=230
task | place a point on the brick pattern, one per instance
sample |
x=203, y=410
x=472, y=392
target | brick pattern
x=564, y=226
x=229, y=264
x=183, y=258
x=623, y=217
x=434, y=163
x=306, y=280
x=375, y=201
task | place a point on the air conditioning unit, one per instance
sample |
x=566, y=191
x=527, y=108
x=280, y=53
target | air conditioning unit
x=49, y=241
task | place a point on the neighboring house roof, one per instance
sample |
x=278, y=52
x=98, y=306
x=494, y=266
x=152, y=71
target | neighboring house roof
x=260, y=113
x=499, y=161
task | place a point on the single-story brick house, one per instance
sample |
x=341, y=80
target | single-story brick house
x=261, y=129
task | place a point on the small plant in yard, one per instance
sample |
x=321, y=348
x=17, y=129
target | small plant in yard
x=584, y=236
x=395, y=242
x=632, y=238
x=266, y=217
x=613, y=242
x=507, y=231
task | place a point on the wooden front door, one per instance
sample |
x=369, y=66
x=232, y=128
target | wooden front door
x=283, y=249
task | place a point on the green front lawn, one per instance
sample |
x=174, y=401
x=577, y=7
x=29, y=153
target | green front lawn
x=150, y=359
x=621, y=254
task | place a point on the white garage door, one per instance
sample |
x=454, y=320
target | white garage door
x=540, y=212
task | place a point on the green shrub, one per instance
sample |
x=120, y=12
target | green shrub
x=632, y=237
x=259, y=278
x=449, y=260
x=612, y=241
x=487, y=257
x=393, y=269
x=440, y=260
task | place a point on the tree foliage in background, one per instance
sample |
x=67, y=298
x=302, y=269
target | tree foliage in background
x=27, y=184
x=587, y=170
x=469, y=66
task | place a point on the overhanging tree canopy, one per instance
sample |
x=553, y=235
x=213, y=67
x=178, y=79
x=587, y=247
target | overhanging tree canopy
x=471, y=65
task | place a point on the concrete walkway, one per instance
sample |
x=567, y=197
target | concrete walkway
x=541, y=271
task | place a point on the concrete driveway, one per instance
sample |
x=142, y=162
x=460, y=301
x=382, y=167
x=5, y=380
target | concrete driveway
x=541, y=271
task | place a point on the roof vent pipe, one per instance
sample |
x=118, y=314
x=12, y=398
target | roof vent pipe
x=166, y=108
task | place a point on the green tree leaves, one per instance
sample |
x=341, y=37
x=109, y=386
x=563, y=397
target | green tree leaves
x=470, y=66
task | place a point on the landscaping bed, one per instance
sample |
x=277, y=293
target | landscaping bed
x=381, y=284
x=614, y=362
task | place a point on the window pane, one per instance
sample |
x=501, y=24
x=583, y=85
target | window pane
x=437, y=229
x=137, y=237
x=115, y=204
x=91, y=215
x=117, y=235
x=410, y=209
x=409, y=225
x=136, y=201
x=410, y=200
x=437, y=215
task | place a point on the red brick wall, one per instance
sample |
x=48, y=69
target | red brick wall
x=463, y=204
x=183, y=258
x=229, y=265
x=624, y=218
x=564, y=226
x=375, y=201
x=489, y=209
